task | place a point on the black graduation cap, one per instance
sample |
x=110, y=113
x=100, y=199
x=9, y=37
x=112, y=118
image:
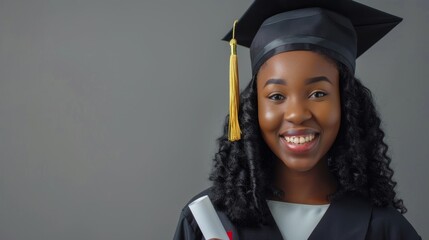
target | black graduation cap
x=344, y=28
x=369, y=24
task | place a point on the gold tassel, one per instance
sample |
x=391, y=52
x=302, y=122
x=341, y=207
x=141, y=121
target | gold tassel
x=234, y=99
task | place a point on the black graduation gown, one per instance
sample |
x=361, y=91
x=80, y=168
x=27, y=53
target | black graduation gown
x=348, y=218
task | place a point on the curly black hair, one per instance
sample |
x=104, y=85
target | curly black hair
x=243, y=171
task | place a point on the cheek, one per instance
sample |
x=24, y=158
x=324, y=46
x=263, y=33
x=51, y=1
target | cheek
x=334, y=118
x=270, y=117
x=330, y=119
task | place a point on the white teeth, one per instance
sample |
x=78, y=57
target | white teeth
x=300, y=139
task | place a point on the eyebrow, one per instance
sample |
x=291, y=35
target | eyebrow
x=307, y=81
x=317, y=79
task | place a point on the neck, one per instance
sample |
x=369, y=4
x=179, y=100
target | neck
x=307, y=187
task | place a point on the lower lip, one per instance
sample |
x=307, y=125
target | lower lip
x=301, y=148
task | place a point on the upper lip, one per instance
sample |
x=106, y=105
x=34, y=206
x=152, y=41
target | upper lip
x=298, y=132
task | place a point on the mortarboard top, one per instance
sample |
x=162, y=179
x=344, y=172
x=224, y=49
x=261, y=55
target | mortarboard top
x=369, y=24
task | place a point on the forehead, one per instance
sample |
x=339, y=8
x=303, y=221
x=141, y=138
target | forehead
x=298, y=64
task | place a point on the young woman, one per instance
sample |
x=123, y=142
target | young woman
x=311, y=162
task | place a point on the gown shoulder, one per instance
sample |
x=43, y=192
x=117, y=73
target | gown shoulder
x=388, y=223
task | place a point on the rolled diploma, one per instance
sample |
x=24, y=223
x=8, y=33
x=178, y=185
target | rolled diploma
x=207, y=218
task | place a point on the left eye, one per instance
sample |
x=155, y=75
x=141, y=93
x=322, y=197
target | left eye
x=317, y=94
x=276, y=97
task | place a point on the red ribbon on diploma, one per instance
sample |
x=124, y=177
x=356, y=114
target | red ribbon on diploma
x=229, y=234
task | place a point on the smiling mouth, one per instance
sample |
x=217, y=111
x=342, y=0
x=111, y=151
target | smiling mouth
x=302, y=139
x=300, y=144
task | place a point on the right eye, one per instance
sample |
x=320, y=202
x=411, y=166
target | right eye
x=276, y=97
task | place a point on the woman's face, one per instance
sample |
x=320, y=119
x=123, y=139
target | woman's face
x=299, y=108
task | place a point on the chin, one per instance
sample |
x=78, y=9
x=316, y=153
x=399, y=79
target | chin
x=300, y=165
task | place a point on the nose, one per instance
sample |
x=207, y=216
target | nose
x=297, y=112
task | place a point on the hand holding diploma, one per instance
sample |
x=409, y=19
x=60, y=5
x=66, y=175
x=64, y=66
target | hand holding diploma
x=207, y=219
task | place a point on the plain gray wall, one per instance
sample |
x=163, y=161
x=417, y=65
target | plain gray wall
x=109, y=111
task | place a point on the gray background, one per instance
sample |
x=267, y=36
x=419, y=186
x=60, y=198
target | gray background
x=109, y=111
